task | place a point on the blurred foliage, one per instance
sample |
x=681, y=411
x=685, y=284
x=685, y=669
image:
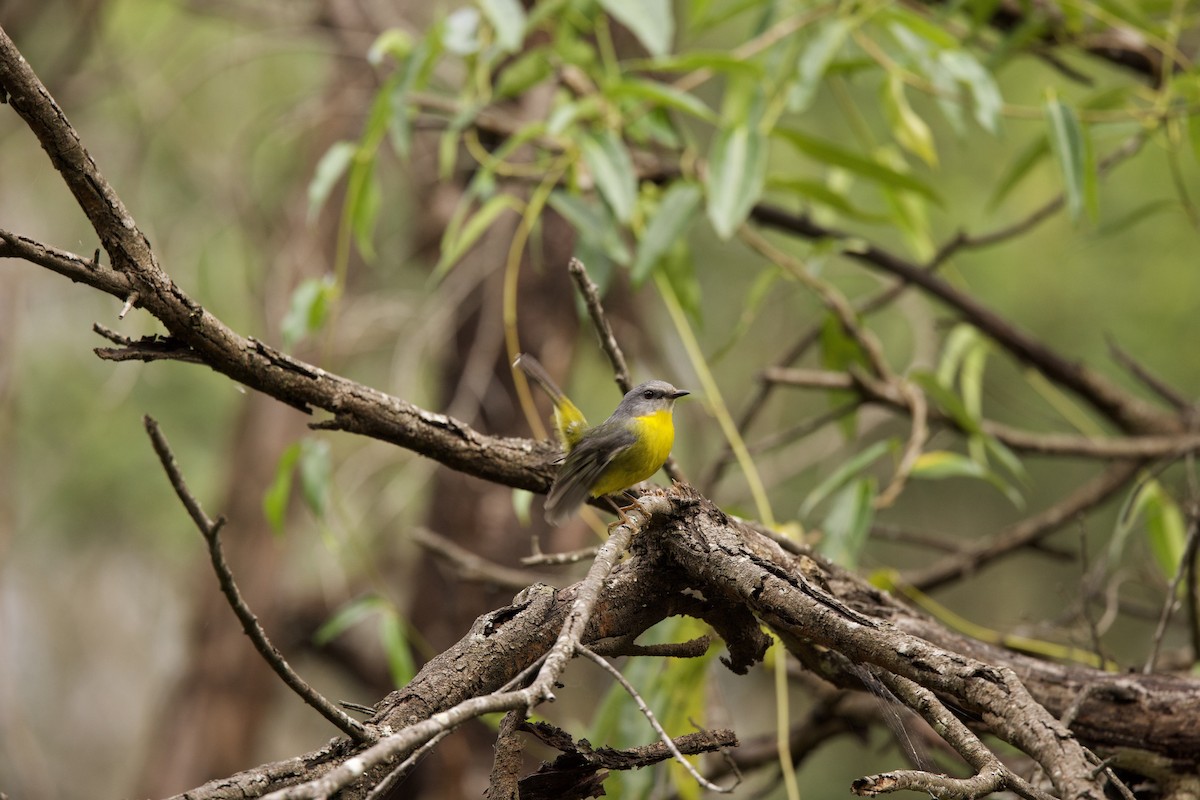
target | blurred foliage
x=664, y=125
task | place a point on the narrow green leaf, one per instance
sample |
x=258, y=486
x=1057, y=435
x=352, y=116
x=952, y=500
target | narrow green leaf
x=737, y=169
x=843, y=475
x=347, y=617
x=848, y=522
x=596, y=228
x=329, y=171
x=942, y=464
x=985, y=93
x=947, y=400
x=507, y=19
x=907, y=126
x=1007, y=458
x=830, y=154
x=608, y=160
x=308, y=309
x=364, y=209
x=814, y=62
x=275, y=499
x=1067, y=144
x=664, y=95
x=316, y=475
x=651, y=21
x=413, y=75
x=396, y=647
x=524, y=72
x=714, y=60
x=920, y=25
x=463, y=239
x=1166, y=530
x=675, y=214
x=522, y=500
x=958, y=342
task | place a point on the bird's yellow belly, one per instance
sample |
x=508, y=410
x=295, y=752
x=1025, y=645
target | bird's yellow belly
x=655, y=435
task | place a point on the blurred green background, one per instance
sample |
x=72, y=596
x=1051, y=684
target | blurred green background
x=208, y=119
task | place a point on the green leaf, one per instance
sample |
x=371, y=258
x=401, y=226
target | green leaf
x=942, y=464
x=958, y=342
x=524, y=72
x=664, y=95
x=1166, y=530
x=396, y=647
x=985, y=93
x=815, y=61
x=596, y=228
x=275, y=499
x=675, y=214
x=651, y=21
x=608, y=160
x=830, y=154
x=457, y=241
x=347, y=617
x=737, y=169
x=394, y=42
x=843, y=475
x=364, y=209
x=919, y=25
x=522, y=500
x=308, y=309
x=714, y=60
x=316, y=475
x=329, y=171
x=412, y=75
x=848, y=522
x=907, y=126
x=947, y=400
x=1070, y=148
x=507, y=19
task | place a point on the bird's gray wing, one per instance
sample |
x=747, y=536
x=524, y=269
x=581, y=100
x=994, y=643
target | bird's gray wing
x=583, y=467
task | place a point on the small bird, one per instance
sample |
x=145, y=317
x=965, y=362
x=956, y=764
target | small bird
x=624, y=450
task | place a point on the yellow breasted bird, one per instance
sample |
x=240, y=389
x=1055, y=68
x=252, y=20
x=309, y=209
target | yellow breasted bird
x=624, y=450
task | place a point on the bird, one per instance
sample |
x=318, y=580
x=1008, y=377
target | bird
x=621, y=452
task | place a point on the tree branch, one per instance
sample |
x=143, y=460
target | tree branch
x=211, y=530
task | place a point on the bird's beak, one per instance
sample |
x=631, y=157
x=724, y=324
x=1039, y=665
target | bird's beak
x=678, y=394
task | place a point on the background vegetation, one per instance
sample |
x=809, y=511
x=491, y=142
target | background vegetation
x=392, y=193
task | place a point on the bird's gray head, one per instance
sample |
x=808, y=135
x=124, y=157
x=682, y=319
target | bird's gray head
x=647, y=398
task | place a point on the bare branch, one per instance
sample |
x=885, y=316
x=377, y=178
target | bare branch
x=608, y=340
x=649, y=715
x=211, y=531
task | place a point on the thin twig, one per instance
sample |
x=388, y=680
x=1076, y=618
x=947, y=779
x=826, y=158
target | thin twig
x=608, y=340
x=385, y=786
x=1164, y=390
x=649, y=715
x=472, y=567
x=211, y=531
x=555, y=559
x=1169, y=602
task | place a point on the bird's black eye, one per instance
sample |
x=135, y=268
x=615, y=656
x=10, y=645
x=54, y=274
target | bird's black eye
x=648, y=394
